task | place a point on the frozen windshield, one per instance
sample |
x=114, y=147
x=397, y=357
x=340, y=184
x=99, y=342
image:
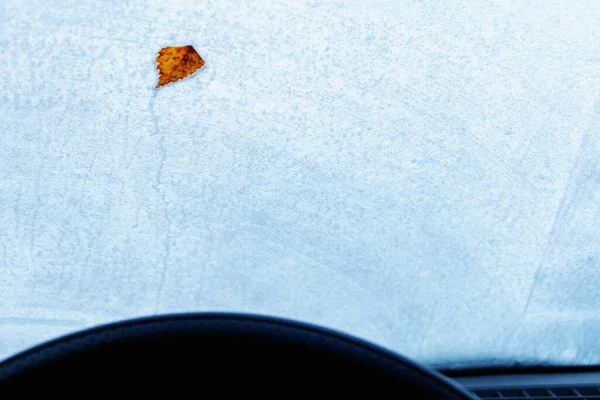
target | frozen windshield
x=422, y=174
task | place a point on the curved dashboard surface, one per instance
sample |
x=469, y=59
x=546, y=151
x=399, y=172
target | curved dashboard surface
x=223, y=354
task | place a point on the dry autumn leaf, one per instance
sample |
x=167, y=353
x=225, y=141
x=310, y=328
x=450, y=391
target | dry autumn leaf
x=175, y=63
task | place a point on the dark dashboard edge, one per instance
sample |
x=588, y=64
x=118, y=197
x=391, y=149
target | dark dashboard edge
x=516, y=370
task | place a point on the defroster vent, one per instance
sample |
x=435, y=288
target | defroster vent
x=539, y=393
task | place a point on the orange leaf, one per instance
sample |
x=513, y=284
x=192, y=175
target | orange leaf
x=175, y=63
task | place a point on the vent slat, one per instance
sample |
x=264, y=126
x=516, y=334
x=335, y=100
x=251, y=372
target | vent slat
x=540, y=393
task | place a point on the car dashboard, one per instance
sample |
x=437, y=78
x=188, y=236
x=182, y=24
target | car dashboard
x=230, y=351
x=533, y=384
